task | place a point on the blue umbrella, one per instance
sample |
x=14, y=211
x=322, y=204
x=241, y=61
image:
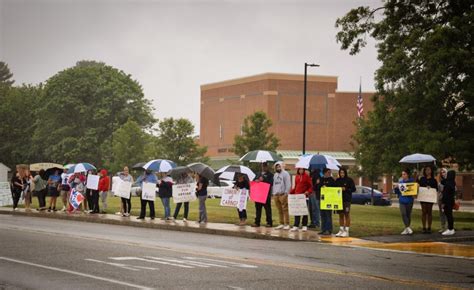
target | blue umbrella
x=159, y=165
x=81, y=167
x=312, y=161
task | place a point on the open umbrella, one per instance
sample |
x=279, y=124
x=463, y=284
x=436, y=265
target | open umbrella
x=312, y=161
x=418, y=158
x=178, y=171
x=45, y=166
x=81, y=167
x=159, y=165
x=204, y=170
x=139, y=165
x=261, y=156
x=229, y=171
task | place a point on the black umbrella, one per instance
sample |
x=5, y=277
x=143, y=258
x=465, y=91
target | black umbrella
x=178, y=171
x=204, y=170
x=139, y=165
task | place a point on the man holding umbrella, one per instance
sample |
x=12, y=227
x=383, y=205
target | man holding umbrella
x=264, y=176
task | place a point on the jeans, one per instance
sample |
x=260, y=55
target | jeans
x=202, y=208
x=127, y=204
x=178, y=207
x=166, y=204
x=297, y=220
x=405, y=211
x=281, y=203
x=103, y=198
x=314, y=210
x=326, y=221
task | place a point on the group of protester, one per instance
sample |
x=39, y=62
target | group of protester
x=446, y=188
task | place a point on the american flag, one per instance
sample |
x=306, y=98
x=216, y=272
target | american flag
x=360, y=102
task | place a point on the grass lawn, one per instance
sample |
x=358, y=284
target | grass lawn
x=366, y=220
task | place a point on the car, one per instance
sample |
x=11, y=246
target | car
x=214, y=190
x=362, y=195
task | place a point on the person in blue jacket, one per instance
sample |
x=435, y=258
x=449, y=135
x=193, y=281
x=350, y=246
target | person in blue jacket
x=406, y=203
x=148, y=176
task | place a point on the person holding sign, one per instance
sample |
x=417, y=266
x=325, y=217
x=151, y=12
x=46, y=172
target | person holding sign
x=348, y=187
x=280, y=190
x=428, y=181
x=406, y=203
x=303, y=185
x=264, y=176
x=165, y=193
x=449, y=193
x=201, y=193
x=183, y=179
x=326, y=215
x=126, y=202
x=241, y=182
x=147, y=177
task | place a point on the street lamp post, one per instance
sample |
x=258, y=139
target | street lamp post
x=304, y=102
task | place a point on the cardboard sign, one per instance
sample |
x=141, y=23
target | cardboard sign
x=408, y=189
x=76, y=198
x=331, y=198
x=149, y=191
x=427, y=195
x=230, y=197
x=93, y=181
x=122, y=188
x=184, y=192
x=259, y=191
x=5, y=194
x=244, y=194
x=297, y=205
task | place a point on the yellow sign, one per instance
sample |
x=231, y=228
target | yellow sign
x=408, y=189
x=331, y=198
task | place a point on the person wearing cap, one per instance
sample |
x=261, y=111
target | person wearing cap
x=280, y=190
x=264, y=176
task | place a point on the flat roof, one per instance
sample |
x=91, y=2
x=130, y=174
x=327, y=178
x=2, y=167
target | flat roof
x=269, y=76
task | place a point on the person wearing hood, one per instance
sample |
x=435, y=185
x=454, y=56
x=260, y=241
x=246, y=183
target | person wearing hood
x=150, y=177
x=303, y=185
x=104, y=186
x=348, y=187
x=280, y=190
x=326, y=215
x=442, y=181
x=427, y=180
x=449, y=194
x=406, y=203
x=165, y=192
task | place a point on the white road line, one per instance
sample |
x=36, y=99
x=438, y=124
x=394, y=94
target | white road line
x=113, y=264
x=151, y=261
x=221, y=261
x=75, y=273
x=187, y=262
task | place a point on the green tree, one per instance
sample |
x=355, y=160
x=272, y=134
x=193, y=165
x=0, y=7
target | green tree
x=425, y=89
x=255, y=135
x=82, y=106
x=175, y=142
x=5, y=74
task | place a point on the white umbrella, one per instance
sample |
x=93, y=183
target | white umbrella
x=310, y=161
x=418, y=158
x=229, y=171
x=260, y=156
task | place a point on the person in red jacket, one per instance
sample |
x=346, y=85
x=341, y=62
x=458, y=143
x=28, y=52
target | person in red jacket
x=303, y=185
x=104, y=185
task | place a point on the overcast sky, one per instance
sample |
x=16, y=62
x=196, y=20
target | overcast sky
x=173, y=47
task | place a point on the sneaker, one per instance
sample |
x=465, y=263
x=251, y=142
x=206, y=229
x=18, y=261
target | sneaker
x=304, y=229
x=344, y=234
x=340, y=232
x=294, y=229
x=410, y=231
x=63, y=209
x=287, y=227
x=185, y=220
x=405, y=232
x=448, y=232
x=279, y=227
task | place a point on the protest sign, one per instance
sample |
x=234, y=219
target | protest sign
x=243, y=199
x=5, y=194
x=92, y=181
x=331, y=198
x=115, y=181
x=426, y=194
x=75, y=199
x=149, y=191
x=122, y=188
x=184, y=192
x=230, y=197
x=408, y=189
x=259, y=191
x=297, y=204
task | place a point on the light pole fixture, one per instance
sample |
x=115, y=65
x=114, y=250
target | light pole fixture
x=304, y=102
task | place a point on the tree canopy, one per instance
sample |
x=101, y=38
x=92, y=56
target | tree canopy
x=255, y=135
x=425, y=88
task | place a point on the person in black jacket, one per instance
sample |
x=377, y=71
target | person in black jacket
x=427, y=180
x=449, y=192
x=165, y=193
x=242, y=183
x=348, y=187
x=326, y=215
x=264, y=176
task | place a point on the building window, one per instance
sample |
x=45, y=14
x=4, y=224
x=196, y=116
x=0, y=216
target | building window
x=220, y=132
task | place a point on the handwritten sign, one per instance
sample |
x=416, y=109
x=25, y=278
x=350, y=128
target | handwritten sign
x=331, y=198
x=5, y=194
x=122, y=188
x=408, y=189
x=184, y=192
x=93, y=181
x=426, y=194
x=244, y=193
x=230, y=197
x=259, y=191
x=297, y=205
x=149, y=191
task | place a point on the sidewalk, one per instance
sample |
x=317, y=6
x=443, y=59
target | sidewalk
x=466, y=206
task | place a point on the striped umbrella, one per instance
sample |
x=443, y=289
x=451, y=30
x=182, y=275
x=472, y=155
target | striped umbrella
x=159, y=165
x=312, y=161
x=81, y=167
x=229, y=171
x=261, y=156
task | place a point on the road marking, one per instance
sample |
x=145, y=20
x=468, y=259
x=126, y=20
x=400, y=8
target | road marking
x=75, y=273
x=240, y=265
x=128, y=267
x=151, y=261
x=202, y=265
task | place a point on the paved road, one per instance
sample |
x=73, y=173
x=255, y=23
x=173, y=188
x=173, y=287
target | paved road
x=56, y=254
